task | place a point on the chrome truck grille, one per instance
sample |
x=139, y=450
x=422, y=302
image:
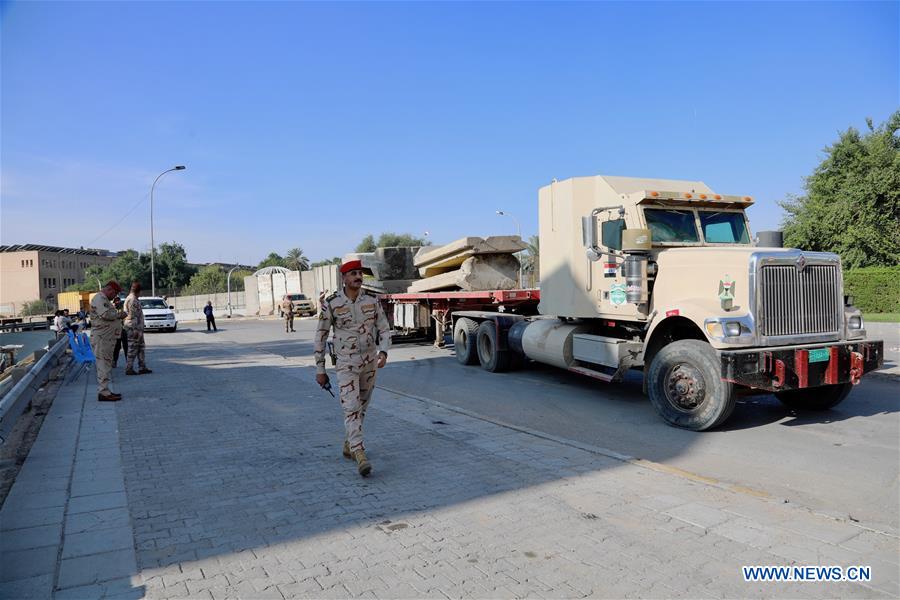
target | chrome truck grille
x=800, y=301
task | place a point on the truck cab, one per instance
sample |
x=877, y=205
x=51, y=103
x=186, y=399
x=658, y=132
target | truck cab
x=662, y=275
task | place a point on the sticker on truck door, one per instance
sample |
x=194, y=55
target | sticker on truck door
x=617, y=294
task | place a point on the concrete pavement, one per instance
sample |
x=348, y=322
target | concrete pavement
x=220, y=476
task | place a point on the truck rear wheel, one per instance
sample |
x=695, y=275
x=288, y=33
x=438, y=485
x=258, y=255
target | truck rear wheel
x=817, y=398
x=465, y=337
x=491, y=357
x=686, y=386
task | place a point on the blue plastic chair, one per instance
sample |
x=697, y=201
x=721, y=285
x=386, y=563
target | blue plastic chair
x=81, y=352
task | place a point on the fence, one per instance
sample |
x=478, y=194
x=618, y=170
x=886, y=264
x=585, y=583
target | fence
x=14, y=401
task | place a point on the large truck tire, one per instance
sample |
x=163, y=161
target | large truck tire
x=686, y=387
x=817, y=398
x=465, y=338
x=491, y=357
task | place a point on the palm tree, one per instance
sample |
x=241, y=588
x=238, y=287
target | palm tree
x=295, y=261
x=530, y=258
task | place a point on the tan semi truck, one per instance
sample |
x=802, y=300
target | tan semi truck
x=662, y=275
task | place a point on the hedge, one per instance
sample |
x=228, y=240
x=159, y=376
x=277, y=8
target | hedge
x=874, y=289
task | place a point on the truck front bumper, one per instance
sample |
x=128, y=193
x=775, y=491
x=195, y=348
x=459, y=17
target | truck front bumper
x=803, y=366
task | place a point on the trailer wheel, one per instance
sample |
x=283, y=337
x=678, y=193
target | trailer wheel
x=489, y=354
x=686, y=386
x=817, y=398
x=465, y=337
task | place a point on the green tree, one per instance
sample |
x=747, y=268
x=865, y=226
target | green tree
x=129, y=266
x=272, y=260
x=237, y=280
x=530, y=258
x=91, y=275
x=366, y=245
x=852, y=200
x=36, y=307
x=296, y=261
x=328, y=261
x=172, y=269
x=208, y=280
x=390, y=240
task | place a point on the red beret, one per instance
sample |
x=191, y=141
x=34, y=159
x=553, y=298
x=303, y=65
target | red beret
x=351, y=265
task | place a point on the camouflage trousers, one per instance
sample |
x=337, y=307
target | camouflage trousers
x=288, y=321
x=355, y=384
x=103, y=353
x=135, y=348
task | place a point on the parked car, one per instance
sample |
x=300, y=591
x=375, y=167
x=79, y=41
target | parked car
x=302, y=305
x=158, y=316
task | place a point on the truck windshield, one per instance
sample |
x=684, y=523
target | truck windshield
x=724, y=227
x=667, y=226
x=154, y=303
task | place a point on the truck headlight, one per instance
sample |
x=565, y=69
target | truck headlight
x=732, y=328
x=855, y=322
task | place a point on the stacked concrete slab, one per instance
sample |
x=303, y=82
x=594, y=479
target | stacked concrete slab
x=392, y=268
x=469, y=264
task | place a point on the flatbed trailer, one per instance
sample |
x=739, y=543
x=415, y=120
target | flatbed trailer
x=428, y=314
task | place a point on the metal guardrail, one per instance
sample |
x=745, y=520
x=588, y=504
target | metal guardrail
x=13, y=402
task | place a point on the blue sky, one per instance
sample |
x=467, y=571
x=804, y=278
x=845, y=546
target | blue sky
x=313, y=124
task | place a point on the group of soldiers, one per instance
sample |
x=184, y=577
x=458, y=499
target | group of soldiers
x=108, y=318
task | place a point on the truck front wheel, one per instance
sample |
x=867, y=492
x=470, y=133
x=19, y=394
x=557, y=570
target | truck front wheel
x=817, y=398
x=465, y=336
x=686, y=387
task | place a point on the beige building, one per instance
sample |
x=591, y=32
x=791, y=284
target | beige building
x=33, y=272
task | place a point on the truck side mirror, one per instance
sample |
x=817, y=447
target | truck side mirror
x=588, y=236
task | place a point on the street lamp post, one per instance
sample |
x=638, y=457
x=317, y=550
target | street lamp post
x=519, y=233
x=152, y=244
x=229, y=290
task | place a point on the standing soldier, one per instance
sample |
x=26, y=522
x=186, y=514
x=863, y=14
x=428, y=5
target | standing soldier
x=106, y=323
x=362, y=336
x=287, y=310
x=134, y=329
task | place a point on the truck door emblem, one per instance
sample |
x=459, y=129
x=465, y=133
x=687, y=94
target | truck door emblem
x=726, y=293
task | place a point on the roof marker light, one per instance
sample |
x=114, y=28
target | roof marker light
x=747, y=198
x=688, y=195
x=717, y=197
x=703, y=196
x=654, y=194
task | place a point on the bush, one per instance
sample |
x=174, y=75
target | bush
x=36, y=307
x=874, y=289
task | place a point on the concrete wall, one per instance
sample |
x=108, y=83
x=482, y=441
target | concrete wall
x=328, y=279
x=251, y=295
x=196, y=303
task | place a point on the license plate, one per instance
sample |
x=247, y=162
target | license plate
x=819, y=355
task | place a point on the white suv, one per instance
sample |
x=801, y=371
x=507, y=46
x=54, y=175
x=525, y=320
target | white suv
x=157, y=315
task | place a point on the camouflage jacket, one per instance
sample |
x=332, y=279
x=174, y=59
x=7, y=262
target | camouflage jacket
x=105, y=318
x=361, y=329
x=134, y=312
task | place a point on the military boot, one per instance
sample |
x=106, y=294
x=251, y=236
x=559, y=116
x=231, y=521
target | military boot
x=346, y=450
x=362, y=463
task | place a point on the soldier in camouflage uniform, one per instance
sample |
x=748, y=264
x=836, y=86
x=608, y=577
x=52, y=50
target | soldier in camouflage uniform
x=362, y=337
x=287, y=310
x=106, y=324
x=134, y=329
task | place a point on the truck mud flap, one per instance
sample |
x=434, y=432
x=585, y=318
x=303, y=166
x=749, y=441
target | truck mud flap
x=798, y=367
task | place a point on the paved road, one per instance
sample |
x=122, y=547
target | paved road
x=220, y=476
x=845, y=462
